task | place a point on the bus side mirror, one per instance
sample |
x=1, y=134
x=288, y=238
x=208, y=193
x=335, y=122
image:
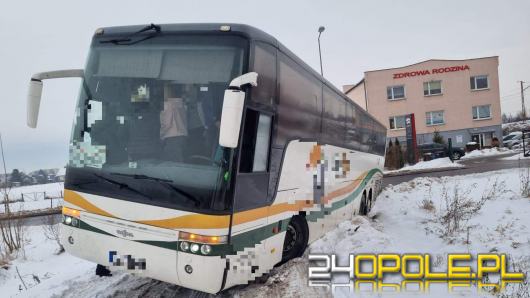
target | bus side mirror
x=233, y=103
x=33, y=102
x=35, y=91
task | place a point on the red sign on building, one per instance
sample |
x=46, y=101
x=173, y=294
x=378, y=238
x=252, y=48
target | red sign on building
x=432, y=71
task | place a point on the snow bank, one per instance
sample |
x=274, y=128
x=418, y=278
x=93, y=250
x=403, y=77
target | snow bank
x=486, y=153
x=516, y=126
x=516, y=157
x=439, y=163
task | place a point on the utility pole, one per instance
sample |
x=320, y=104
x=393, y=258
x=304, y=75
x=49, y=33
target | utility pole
x=4, y=187
x=3, y=159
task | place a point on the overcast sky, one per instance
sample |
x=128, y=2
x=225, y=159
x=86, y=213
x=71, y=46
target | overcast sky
x=360, y=35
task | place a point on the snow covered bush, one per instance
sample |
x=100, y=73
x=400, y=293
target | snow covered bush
x=427, y=205
x=50, y=225
x=524, y=178
x=11, y=229
x=459, y=206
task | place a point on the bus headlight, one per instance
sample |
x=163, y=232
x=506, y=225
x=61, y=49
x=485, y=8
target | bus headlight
x=67, y=220
x=194, y=247
x=184, y=246
x=206, y=249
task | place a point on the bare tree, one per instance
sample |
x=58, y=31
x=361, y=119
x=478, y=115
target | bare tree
x=10, y=226
x=51, y=230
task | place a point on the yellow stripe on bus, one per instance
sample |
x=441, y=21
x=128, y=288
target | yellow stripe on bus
x=191, y=221
x=74, y=198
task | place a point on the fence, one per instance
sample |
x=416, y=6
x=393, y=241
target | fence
x=36, y=200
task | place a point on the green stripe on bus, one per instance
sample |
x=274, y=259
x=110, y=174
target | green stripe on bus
x=315, y=215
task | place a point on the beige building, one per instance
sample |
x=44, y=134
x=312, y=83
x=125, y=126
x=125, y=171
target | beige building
x=458, y=98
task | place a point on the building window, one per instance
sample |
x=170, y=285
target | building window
x=434, y=118
x=432, y=88
x=397, y=122
x=481, y=112
x=395, y=92
x=479, y=82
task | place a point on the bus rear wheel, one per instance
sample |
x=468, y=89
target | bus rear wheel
x=363, y=208
x=296, y=238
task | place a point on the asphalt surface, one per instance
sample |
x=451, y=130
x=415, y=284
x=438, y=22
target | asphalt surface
x=474, y=165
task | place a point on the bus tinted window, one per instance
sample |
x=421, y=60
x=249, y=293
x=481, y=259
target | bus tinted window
x=300, y=103
x=265, y=65
x=334, y=118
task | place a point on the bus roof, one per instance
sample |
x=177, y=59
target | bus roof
x=247, y=31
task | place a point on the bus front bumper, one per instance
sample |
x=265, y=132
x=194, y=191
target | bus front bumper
x=159, y=260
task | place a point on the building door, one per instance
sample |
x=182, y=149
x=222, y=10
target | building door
x=483, y=139
x=476, y=138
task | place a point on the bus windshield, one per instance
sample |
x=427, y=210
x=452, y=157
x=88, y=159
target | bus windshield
x=147, y=121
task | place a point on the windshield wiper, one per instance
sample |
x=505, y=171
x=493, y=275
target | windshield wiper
x=128, y=40
x=165, y=182
x=122, y=185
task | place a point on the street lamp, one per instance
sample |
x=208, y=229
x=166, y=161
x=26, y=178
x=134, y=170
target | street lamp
x=320, y=30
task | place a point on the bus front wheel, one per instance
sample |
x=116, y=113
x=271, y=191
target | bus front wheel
x=102, y=271
x=296, y=238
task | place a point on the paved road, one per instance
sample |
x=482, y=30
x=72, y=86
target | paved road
x=475, y=165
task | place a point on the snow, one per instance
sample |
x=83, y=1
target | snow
x=40, y=259
x=439, y=163
x=34, y=197
x=516, y=157
x=486, y=153
x=396, y=224
x=516, y=126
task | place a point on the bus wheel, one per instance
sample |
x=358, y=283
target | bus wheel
x=363, y=209
x=296, y=238
x=102, y=271
x=370, y=202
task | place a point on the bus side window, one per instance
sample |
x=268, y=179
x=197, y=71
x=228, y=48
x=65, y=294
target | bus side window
x=264, y=64
x=256, y=142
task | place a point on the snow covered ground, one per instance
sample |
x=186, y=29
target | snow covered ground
x=34, y=197
x=406, y=218
x=516, y=157
x=439, y=163
x=487, y=152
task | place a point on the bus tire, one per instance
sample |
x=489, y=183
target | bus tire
x=370, y=201
x=296, y=238
x=102, y=271
x=363, y=208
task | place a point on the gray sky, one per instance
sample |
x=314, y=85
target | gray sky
x=359, y=36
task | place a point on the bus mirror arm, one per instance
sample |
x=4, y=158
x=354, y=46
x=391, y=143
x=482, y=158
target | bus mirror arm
x=248, y=79
x=35, y=90
x=232, y=113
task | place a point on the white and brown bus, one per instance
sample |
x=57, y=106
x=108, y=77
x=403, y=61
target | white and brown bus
x=205, y=154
